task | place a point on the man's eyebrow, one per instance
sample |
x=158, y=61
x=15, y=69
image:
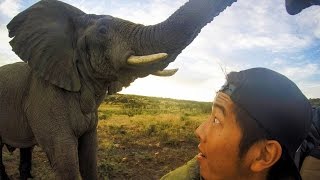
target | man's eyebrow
x=220, y=107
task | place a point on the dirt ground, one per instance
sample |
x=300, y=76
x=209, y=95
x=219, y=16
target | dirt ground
x=150, y=161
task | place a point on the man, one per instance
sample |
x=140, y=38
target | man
x=259, y=119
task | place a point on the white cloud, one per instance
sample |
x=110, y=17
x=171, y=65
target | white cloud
x=178, y=86
x=309, y=22
x=6, y=54
x=262, y=24
x=310, y=90
x=299, y=73
x=144, y=12
x=10, y=7
x=302, y=73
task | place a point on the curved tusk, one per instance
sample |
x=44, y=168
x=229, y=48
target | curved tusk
x=166, y=72
x=139, y=60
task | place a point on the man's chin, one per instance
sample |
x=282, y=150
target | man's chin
x=204, y=172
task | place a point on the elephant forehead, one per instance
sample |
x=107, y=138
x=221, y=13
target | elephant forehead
x=105, y=19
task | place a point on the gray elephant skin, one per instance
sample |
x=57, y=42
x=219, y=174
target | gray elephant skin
x=296, y=6
x=71, y=60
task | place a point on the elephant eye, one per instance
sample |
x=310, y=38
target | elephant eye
x=103, y=30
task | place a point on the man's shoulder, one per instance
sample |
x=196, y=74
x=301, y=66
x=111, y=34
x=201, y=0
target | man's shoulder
x=189, y=171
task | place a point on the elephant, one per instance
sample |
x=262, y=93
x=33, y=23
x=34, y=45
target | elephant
x=71, y=61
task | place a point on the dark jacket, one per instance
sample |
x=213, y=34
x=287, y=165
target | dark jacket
x=311, y=145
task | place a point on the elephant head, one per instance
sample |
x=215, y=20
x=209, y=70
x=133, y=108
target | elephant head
x=70, y=48
x=296, y=6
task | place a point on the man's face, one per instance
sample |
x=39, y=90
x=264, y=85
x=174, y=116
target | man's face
x=219, y=138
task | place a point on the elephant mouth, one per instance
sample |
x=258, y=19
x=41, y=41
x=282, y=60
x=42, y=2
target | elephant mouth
x=151, y=59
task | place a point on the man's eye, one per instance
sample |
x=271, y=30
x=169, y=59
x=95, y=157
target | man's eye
x=216, y=121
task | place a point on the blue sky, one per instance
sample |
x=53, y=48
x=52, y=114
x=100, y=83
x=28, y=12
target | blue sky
x=248, y=34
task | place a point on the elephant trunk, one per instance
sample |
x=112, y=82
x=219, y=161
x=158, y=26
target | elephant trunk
x=296, y=6
x=178, y=31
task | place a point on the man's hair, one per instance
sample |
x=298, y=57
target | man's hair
x=252, y=133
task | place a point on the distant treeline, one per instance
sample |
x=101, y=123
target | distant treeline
x=315, y=102
x=155, y=105
x=134, y=104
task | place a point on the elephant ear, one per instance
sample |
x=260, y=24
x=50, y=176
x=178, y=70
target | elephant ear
x=44, y=36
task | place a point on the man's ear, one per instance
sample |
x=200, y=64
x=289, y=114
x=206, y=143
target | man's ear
x=264, y=155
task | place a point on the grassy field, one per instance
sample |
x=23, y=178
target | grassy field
x=139, y=138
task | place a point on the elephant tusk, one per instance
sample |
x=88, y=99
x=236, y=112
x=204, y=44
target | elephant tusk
x=140, y=60
x=166, y=72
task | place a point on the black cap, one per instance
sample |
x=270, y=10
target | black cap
x=276, y=104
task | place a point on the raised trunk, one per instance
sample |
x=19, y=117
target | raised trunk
x=178, y=31
x=296, y=6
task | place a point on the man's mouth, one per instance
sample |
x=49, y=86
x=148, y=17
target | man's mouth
x=201, y=155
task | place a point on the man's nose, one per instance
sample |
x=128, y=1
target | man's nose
x=200, y=132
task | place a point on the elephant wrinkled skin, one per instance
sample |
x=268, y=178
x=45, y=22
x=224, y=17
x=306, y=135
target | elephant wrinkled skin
x=71, y=59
